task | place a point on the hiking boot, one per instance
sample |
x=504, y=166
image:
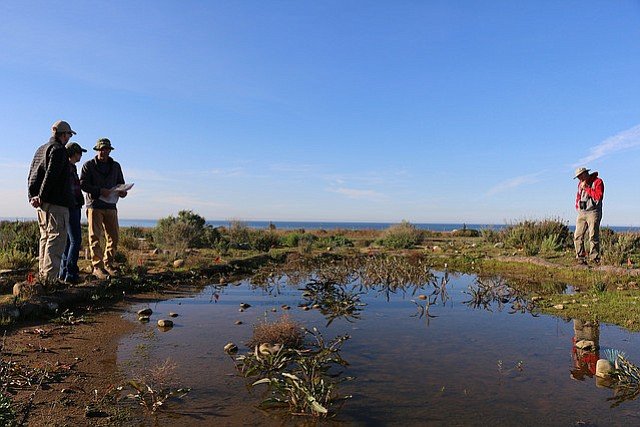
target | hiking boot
x=111, y=271
x=100, y=273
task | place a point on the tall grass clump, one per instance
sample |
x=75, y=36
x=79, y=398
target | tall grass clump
x=23, y=236
x=187, y=230
x=529, y=235
x=401, y=236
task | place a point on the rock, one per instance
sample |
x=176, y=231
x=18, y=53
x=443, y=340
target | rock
x=559, y=307
x=499, y=245
x=145, y=312
x=285, y=307
x=241, y=310
x=230, y=348
x=273, y=310
x=164, y=323
x=585, y=345
x=603, y=368
x=244, y=305
x=238, y=322
x=267, y=349
x=422, y=297
x=222, y=281
x=436, y=249
x=178, y=263
x=144, y=318
x=172, y=314
x=156, y=251
x=305, y=308
x=315, y=306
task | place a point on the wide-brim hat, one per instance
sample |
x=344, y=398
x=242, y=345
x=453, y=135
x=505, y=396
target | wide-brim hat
x=580, y=171
x=103, y=143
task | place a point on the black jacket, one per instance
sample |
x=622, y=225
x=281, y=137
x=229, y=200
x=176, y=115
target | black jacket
x=96, y=175
x=49, y=174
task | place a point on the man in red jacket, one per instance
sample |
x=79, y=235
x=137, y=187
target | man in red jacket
x=589, y=208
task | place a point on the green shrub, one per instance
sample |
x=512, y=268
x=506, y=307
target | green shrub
x=187, y=230
x=532, y=233
x=23, y=236
x=490, y=235
x=617, y=248
x=17, y=260
x=290, y=240
x=551, y=244
x=401, y=236
x=466, y=232
x=337, y=241
x=239, y=235
x=261, y=240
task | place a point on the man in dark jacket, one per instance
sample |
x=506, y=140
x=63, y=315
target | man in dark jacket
x=99, y=176
x=50, y=194
x=69, y=271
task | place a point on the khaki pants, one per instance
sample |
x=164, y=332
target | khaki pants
x=102, y=222
x=52, y=220
x=588, y=221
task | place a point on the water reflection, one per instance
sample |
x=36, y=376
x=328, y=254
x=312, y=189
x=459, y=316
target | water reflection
x=584, y=352
x=333, y=300
x=487, y=293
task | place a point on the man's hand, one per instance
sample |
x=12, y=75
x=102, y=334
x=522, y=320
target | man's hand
x=35, y=202
x=122, y=194
x=104, y=192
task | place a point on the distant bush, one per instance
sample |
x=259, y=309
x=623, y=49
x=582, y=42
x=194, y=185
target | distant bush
x=530, y=234
x=336, y=241
x=490, y=235
x=290, y=240
x=239, y=235
x=465, y=232
x=187, y=230
x=401, y=236
x=261, y=240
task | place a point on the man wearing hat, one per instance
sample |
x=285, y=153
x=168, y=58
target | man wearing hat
x=50, y=193
x=589, y=208
x=99, y=175
x=69, y=272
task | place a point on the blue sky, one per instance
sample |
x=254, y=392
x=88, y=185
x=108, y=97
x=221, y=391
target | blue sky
x=430, y=111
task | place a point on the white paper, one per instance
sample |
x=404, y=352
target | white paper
x=113, y=196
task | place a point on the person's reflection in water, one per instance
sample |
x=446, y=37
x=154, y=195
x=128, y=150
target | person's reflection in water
x=584, y=352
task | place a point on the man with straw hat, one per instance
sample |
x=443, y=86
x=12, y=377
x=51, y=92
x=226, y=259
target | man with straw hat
x=589, y=208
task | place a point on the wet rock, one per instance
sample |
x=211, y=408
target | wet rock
x=241, y=310
x=238, y=322
x=178, y=263
x=165, y=323
x=266, y=348
x=230, y=348
x=244, y=305
x=305, y=308
x=144, y=318
x=604, y=368
x=315, y=306
x=145, y=312
x=285, y=307
x=172, y=314
x=559, y=307
x=585, y=345
x=422, y=297
x=273, y=310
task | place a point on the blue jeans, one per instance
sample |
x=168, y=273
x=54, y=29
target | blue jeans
x=69, y=265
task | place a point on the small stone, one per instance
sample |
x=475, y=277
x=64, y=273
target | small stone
x=244, y=305
x=144, y=318
x=145, y=312
x=241, y=310
x=178, y=263
x=603, y=368
x=268, y=349
x=230, y=348
x=68, y=391
x=222, y=281
x=285, y=307
x=422, y=297
x=172, y=314
x=305, y=308
x=164, y=323
x=436, y=249
x=238, y=322
x=156, y=251
x=315, y=306
x=273, y=310
x=559, y=307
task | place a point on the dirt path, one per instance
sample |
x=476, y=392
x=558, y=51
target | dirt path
x=81, y=360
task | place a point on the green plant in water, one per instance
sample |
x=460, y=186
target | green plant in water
x=152, y=389
x=302, y=381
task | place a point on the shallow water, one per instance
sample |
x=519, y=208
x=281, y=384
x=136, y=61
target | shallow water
x=464, y=367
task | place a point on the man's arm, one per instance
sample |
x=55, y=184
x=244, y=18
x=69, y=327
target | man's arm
x=597, y=191
x=56, y=162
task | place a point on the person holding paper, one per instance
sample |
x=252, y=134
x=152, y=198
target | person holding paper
x=102, y=181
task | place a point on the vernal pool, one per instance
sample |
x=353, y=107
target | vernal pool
x=460, y=357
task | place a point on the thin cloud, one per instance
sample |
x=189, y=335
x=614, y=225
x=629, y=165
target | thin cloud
x=622, y=141
x=512, y=183
x=354, y=193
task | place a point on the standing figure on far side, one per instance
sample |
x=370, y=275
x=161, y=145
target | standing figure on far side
x=589, y=208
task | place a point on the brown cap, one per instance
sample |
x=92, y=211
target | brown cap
x=73, y=148
x=61, y=126
x=103, y=143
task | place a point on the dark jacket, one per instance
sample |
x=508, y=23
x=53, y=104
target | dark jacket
x=75, y=186
x=96, y=175
x=49, y=174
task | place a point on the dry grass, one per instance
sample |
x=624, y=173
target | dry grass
x=283, y=331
